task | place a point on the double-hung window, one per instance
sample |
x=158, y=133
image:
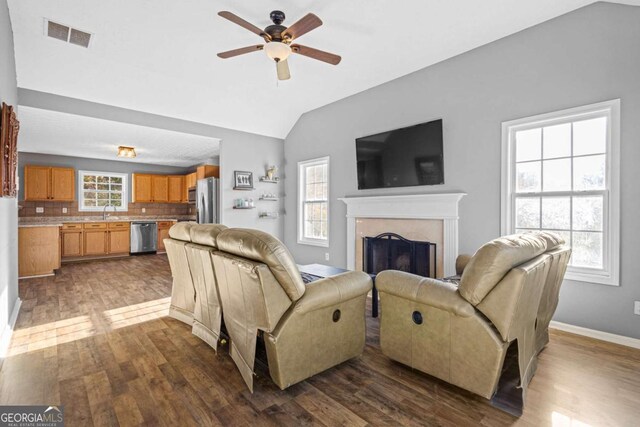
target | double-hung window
x=561, y=173
x=98, y=190
x=313, y=202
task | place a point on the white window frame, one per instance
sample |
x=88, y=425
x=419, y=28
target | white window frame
x=301, y=197
x=125, y=191
x=610, y=273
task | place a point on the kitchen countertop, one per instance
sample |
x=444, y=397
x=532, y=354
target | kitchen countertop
x=57, y=221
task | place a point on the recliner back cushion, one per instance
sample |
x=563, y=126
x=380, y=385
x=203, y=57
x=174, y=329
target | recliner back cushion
x=494, y=260
x=553, y=240
x=181, y=231
x=263, y=247
x=206, y=234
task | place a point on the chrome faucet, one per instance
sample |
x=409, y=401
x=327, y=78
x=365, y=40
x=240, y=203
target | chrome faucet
x=104, y=212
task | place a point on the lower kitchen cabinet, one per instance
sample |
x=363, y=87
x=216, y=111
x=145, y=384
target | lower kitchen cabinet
x=119, y=241
x=38, y=250
x=163, y=233
x=72, y=243
x=95, y=242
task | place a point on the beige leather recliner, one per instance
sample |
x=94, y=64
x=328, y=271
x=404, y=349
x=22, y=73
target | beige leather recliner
x=461, y=334
x=207, y=314
x=183, y=294
x=307, y=328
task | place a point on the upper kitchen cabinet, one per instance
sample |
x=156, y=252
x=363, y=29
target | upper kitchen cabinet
x=176, y=188
x=207, y=171
x=45, y=183
x=142, y=188
x=160, y=188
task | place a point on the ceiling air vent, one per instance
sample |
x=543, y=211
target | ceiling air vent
x=67, y=34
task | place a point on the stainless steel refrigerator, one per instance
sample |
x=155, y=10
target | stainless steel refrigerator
x=207, y=197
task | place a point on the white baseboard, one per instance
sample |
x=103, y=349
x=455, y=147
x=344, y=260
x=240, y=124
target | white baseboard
x=5, y=339
x=599, y=335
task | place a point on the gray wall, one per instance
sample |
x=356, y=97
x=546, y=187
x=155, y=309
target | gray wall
x=98, y=165
x=8, y=207
x=252, y=156
x=587, y=56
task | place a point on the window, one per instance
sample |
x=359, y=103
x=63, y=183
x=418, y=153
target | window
x=313, y=199
x=100, y=189
x=561, y=173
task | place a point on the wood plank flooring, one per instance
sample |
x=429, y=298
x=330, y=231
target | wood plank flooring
x=95, y=338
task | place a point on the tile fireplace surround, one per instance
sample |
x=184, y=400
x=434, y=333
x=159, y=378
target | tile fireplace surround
x=434, y=207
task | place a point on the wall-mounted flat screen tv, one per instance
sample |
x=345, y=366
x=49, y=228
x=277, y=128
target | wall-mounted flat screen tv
x=401, y=158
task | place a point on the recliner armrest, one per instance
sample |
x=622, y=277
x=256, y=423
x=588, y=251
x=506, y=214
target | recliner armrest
x=424, y=290
x=333, y=290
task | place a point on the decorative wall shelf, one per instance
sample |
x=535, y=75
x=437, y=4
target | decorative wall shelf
x=272, y=181
x=244, y=207
x=269, y=199
x=269, y=215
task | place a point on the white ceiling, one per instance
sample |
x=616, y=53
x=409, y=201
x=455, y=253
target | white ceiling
x=160, y=56
x=52, y=132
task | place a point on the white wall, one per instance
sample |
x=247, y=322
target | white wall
x=587, y=56
x=8, y=207
x=253, y=155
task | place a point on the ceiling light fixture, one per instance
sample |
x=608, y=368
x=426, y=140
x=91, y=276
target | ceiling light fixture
x=128, y=152
x=277, y=51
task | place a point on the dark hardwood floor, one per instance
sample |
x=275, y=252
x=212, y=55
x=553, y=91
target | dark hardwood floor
x=95, y=338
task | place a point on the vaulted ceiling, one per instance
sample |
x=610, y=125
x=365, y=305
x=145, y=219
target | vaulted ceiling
x=159, y=56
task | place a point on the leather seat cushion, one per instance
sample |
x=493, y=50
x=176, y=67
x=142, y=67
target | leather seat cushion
x=262, y=247
x=494, y=260
x=206, y=234
x=181, y=231
x=553, y=240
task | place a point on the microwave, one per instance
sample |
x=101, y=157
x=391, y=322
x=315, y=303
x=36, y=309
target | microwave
x=192, y=195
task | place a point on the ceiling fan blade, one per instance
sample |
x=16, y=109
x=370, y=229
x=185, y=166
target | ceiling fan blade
x=320, y=55
x=282, y=67
x=241, y=51
x=302, y=26
x=244, y=24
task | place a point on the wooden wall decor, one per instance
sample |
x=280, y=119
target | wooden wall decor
x=9, y=127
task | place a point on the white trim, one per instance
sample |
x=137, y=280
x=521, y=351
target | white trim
x=599, y=335
x=300, y=226
x=7, y=333
x=125, y=190
x=610, y=109
x=442, y=206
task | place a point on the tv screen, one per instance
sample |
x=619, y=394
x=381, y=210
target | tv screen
x=401, y=158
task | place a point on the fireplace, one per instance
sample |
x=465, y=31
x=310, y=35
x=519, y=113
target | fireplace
x=390, y=251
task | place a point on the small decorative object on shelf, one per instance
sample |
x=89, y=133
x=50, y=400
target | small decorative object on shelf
x=271, y=172
x=272, y=215
x=244, y=204
x=269, y=196
x=271, y=175
x=243, y=180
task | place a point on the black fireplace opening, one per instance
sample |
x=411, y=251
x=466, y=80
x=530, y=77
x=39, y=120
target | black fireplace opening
x=390, y=251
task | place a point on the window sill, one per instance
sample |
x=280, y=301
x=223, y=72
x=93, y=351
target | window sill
x=596, y=279
x=319, y=243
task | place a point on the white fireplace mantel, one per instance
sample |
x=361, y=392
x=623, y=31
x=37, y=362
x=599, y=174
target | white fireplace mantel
x=414, y=206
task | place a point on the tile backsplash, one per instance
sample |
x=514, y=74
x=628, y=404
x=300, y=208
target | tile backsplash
x=134, y=209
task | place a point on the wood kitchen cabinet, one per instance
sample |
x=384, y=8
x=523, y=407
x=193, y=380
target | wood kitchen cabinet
x=163, y=233
x=176, y=188
x=119, y=241
x=95, y=238
x=38, y=250
x=45, y=183
x=72, y=241
x=160, y=188
x=207, y=171
x=141, y=188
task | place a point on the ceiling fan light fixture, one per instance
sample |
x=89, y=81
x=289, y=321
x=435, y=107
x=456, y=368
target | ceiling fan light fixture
x=128, y=152
x=277, y=51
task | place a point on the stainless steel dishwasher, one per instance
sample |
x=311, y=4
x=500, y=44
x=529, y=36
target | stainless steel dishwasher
x=144, y=237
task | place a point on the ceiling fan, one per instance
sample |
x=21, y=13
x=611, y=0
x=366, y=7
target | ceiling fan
x=278, y=41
